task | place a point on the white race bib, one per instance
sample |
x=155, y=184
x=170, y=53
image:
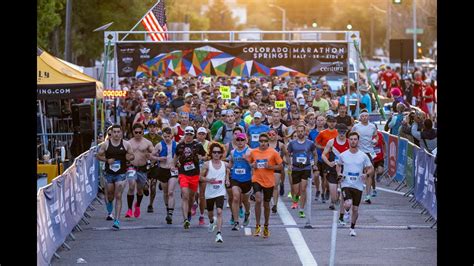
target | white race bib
x=240, y=171
x=353, y=176
x=115, y=166
x=189, y=167
x=131, y=172
x=255, y=137
x=174, y=172
x=300, y=158
x=261, y=164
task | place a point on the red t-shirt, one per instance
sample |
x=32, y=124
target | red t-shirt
x=428, y=91
x=417, y=87
x=387, y=76
x=378, y=149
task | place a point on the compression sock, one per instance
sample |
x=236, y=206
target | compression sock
x=110, y=207
x=130, y=201
x=353, y=225
x=139, y=199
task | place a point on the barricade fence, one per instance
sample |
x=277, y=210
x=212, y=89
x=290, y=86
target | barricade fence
x=62, y=204
x=411, y=166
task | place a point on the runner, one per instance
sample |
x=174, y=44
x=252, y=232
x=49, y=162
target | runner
x=282, y=131
x=379, y=159
x=280, y=147
x=163, y=153
x=187, y=159
x=343, y=118
x=321, y=141
x=200, y=199
x=368, y=138
x=256, y=129
x=320, y=122
x=215, y=173
x=115, y=153
x=353, y=167
x=300, y=167
x=331, y=155
x=264, y=160
x=240, y=180
x=137, y=171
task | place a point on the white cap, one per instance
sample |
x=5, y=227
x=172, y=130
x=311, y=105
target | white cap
x=189, y=129
x=224, y=112
x=188, y=95
x=233, y=89
x=301, y=101
x=147, y=110
x=202, y=130
x=257, y=114
x=276, y=88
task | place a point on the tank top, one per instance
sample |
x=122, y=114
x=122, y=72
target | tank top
x=165, y=153
x=337, y=149
x=279, y=130
x=216, y=188
x=241, y=170
x=118, y=153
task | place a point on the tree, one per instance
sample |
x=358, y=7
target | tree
x=220, y=18
x=48, y=18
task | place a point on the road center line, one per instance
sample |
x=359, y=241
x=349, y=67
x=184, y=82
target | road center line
x=295, y=235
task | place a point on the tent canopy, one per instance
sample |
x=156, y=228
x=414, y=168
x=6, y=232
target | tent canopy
x=57, y=80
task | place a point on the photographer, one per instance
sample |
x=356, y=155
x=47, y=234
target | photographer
x=428, y=136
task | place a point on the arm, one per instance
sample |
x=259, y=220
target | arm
x=156, y=150
x=218, y=134
x=288, y=158
x=230, y=164
x=414, y=131
x=129, y=156
x=227, y=174
x=326, y=151
x=101, y=153
x=205, y=168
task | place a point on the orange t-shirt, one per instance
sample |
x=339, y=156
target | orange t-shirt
x=325, y=136
x=265, y=177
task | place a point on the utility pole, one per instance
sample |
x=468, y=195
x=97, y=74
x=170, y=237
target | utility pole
x=389, y=23
x=67, y=45
x=372, y=26
x=415, y=50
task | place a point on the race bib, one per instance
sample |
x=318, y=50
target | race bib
x=189, y=166
x=216, y=187
x=115, y=166
x=240, y=171
x=353, y=176
x=131, y=172
x=372, y=154
x=301, y=158
x=255, y=137
x=262, y=163
x=174, y=172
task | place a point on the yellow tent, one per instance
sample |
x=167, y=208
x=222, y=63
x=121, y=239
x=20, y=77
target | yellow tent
x=57, y=80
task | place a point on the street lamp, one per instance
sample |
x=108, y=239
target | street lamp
x=283, y=20
x=349, y=26
x=315, y=25
x=418, y=44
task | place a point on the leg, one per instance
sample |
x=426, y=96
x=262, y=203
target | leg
x=333, y=191
x=130, y=194
x=219, y=219
x=355, y=215
x=119, y=187
x=235, y=202
x=302, y=192
x=266, y=211
x=165, y=193
x=185, y=198
x=191, y=200
x=152, y=191
x=171, y=188
x=202, y=200
x=258, y=207
x=276, y=189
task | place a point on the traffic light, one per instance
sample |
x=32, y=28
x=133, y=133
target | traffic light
x=420, y=52
x=397, y=2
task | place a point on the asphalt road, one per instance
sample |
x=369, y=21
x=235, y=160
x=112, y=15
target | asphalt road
x=389, y=232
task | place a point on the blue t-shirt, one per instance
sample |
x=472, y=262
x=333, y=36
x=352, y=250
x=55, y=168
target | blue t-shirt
x=367, y=101
x=254, y=133
x=301, y=154
x=320, y=151
x=241, y=170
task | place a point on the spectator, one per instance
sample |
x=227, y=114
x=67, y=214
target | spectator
x=428, y=135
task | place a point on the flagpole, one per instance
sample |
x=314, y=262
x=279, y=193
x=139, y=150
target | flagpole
x=140, y=20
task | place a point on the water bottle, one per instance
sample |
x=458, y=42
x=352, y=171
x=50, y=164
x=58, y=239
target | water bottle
x=148, y=165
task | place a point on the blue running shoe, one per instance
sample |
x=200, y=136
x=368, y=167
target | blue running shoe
x=116, y=225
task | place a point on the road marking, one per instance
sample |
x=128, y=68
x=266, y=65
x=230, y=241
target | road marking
x=295, y=235
x=333, y=239
x=393, y=191
x=401, y=248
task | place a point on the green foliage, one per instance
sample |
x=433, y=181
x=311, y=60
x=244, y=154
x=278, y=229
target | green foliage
x=48, y=18
x=220, y=18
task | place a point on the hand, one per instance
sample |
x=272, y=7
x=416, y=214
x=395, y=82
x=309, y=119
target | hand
x=332, y=164
x=227, y=182
x=254, y=165
x=110, y=161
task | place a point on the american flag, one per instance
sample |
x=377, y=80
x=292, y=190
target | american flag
x=155, y=20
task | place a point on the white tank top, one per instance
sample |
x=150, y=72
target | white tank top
x=216, y=188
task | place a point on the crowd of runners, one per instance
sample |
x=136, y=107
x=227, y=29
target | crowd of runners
x=239, y=153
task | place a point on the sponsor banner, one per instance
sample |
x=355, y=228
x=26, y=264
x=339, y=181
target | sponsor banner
x=385, y=140
x=231, y=59
x=410, y=169
x=66, y=91
x=392, y=155
x=420, y=167
x=428, y=197
x=61, y=205
x=401, y=159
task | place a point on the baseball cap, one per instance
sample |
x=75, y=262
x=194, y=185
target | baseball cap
x=188, y=95
x=257, y=115
x=276, y=88
x=241, y=136
x=301, y=101
x=168, y=83
x=189, y=130
x=162, y=94
x=202, y=130
x=233, y=89
x=330, y=118
x=152, y=123
x=305, y=90
x=342, y=127
x=147, y=110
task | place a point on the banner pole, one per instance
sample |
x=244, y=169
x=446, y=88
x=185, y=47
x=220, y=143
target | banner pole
x=140, y=20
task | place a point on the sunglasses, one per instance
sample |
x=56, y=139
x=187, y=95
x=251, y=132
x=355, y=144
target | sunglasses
x=239, y=139
x=138, y=132
x=210, y=111
x=216, y=152
x=263, y=140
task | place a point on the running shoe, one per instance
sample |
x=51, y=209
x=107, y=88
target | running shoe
x=289, y=195
x=331, y=207
x=150, y=209
x=294, y=205
x=282, y=189
x=116, y=225
x=266, y=232
x=246, y=219
x=352, y=232
x=347, y=216
x=137, y=211
x=110, y=217
x=212, y=226
x=252, y=197
x=241, y=212
x=301, y=214
x=129, y=213
x=227, y=205
x=367, y=199
x=193, y=209
x=340, y=223
x=274, y=209
x=258, y=229
x=186, y=224
x=374, y=193
x=235, y=227
x=219, y=238
x=169, y=220
x=318, y=193
x=201, y=220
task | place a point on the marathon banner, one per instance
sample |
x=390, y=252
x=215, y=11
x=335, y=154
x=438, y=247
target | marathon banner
x=392, y=155
x=410, y=169
x=66, y=91
x=401, y=159
x=429, y=197
x=231, y=59
x=420, y=167
x=61, y=205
